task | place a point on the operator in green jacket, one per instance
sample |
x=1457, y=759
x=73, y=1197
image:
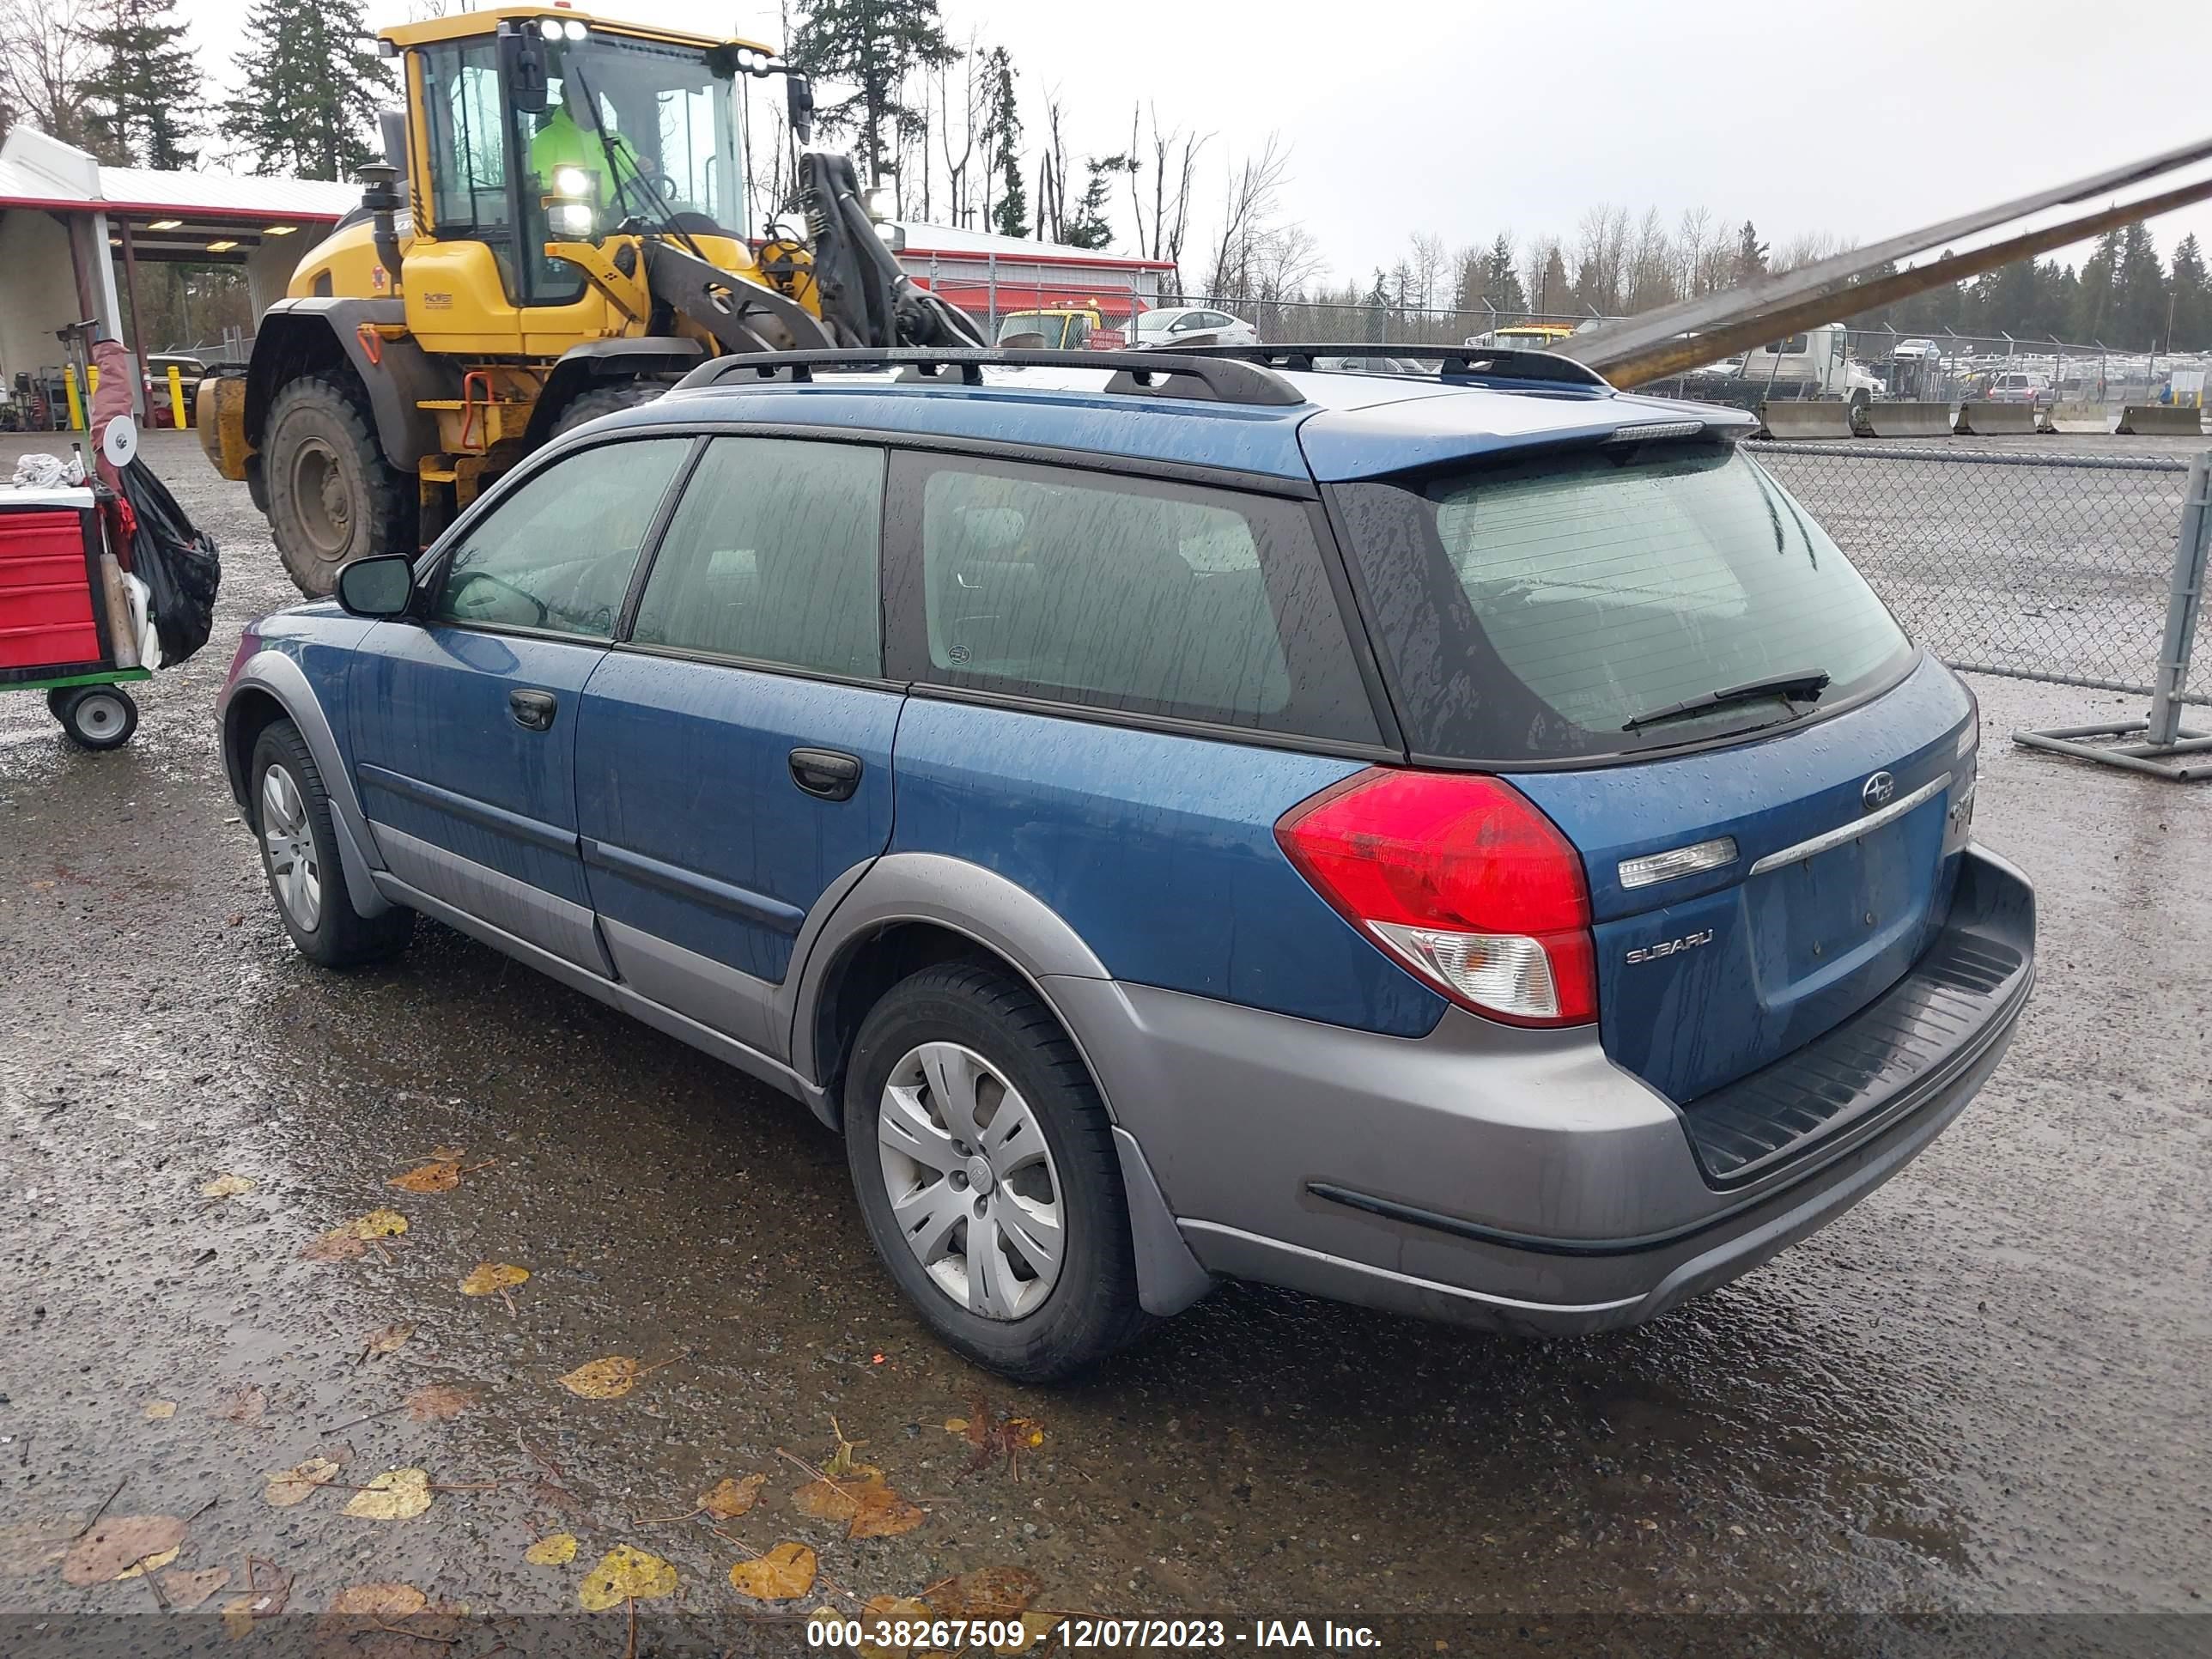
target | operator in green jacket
x=566, y=140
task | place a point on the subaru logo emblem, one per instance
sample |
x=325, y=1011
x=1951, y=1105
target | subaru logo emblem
x=1878, y=790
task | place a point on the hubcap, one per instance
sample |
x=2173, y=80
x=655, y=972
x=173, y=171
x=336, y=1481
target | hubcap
x=288, y=845
x=325, y=504
x=99, y=716
x=971, y=1181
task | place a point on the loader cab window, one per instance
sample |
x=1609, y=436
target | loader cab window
x=633, y=131
x=469, y=197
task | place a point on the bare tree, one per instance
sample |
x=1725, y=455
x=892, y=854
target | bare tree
x=1246, y=211
x=45, y=56
x=1174, y=163
x=1425, y=254
x=1809, y=248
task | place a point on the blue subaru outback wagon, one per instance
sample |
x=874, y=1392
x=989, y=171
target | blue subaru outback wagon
x=1465, y=842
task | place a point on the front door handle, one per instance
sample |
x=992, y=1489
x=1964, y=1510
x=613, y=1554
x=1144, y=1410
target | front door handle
x=829, y=773
x=533, y=711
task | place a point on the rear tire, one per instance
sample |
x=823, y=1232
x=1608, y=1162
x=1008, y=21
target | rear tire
x=291, y=815
x=605, y=400
x=974, y=1233
x=332, y=496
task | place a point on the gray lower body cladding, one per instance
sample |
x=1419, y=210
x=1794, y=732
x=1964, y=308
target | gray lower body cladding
x=1504, y=1178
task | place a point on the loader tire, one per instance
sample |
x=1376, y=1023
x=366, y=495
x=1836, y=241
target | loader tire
x=332, y=496
x=605, y=400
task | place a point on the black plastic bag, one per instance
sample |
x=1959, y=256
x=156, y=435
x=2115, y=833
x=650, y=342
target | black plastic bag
x=180, y=566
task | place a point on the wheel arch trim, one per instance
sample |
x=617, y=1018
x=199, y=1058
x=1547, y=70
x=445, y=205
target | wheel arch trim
x=402, y=379
x=275, y=676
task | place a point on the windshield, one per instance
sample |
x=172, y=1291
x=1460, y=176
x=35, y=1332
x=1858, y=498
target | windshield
x=670, y=122
x=1534, y=609
x=1056, y=331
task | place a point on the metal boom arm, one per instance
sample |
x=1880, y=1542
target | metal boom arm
x=1674, y=338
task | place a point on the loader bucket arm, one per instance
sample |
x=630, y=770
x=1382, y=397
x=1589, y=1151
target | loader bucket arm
x=867, y=299
x=1634, y=350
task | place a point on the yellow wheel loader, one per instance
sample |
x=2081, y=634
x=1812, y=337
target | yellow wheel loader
x=559, y=229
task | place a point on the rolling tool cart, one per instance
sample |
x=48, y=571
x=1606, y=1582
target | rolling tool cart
x=66, y=622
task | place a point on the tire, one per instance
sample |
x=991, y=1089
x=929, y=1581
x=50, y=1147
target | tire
x=1041, y=1331
x=94, y=716
x=332, y=496
x=605, y=400
x=300, y=860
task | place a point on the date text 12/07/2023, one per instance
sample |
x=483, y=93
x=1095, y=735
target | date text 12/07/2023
x=1087, y=1634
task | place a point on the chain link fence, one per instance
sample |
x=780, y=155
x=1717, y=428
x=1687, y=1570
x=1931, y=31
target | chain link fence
x=2045, y=566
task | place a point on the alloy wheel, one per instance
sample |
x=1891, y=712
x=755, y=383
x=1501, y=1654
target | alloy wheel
x=289, y=841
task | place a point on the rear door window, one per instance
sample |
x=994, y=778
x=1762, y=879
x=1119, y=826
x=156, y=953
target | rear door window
x=556, y=553
x=1530, y=611
x=770, y=557
x=1134, y=595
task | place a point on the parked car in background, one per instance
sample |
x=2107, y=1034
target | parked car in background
x=1193, y=326
x=2017, y=386
x=1471, y=846
x=1523, y=336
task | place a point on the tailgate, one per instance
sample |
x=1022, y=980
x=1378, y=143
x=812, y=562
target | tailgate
x=1846, y=857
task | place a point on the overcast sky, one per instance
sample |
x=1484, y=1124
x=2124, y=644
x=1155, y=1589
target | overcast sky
x=1467, y=117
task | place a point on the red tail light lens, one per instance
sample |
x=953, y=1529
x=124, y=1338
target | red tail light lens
x=1463, y=880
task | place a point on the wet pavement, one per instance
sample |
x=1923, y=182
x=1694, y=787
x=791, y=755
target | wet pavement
x=1984, y=1389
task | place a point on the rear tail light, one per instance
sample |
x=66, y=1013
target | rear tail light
x=1461, y=879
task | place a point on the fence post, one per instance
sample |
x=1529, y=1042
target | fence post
x=2185, y=604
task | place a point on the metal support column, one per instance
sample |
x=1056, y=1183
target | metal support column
x=137, y=333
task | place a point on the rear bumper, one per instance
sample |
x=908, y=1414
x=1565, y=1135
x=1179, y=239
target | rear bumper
x=1519, y=1180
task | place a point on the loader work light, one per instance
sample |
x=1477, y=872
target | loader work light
x=572, y=181
x=573, y=218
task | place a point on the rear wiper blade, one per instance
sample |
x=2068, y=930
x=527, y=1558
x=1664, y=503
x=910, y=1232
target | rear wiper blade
x=1805, y=687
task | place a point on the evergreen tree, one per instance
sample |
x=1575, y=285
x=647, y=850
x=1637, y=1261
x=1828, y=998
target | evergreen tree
x=1501, y=286
x=1552, y=294
x=1002, y=139
x=875, y=45
x=1750, y=254
x=1089, y=225
x=2192, y=299
x=313, y=84
x=2093, y=304
x=142, y=99
x=2139, y=290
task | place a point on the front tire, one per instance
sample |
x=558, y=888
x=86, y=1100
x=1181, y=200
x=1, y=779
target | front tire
x=605, y=400
x=299, y=858
x=332, y=496
x=986, y=1174
x=95, y=716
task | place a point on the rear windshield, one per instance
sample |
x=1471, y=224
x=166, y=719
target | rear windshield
x=1531, y=610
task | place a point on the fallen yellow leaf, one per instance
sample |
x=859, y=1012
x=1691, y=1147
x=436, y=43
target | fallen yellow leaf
x=435, y=1402
x=376, y=1223
x=625, y=1574
x=889, y=1610
x=442, y=1176
x=297, y=1483
x=784, y=1574
x=389, y=1339
x=554, y=1550
x=152, y=1563
x=238, y=1617
x=227, y=1185
x=732, y=1498
x=490, y=1277
x=606, y=1379
x=382, y=1603
x=337, y=1245
x=987, y=1593
x=1035, y=1628
x=956, y=1425
x=870, y=1507
x=186, y=1590
x=118, y=1543
x=395, y=1495
x=156, y=1410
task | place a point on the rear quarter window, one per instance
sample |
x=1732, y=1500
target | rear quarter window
x=1132, y=595
x=1530, y=609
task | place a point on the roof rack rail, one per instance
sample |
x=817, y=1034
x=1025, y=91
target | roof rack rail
x=1473, y=363
x=1135, y=373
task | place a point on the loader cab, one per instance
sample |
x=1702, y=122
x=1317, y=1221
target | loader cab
x=529, y=127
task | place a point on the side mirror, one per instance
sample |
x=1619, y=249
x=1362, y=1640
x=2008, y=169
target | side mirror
x=377, y=588
x=524, y=51
x=799, y=96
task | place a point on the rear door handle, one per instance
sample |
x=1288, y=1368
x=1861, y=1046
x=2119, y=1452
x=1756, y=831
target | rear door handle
x=533, y=711
x=829, y=773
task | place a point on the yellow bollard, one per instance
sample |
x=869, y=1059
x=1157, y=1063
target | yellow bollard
x=177, y=398
x=92, y=378
x=75, y=398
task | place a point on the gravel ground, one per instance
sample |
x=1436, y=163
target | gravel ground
x=1983, y=1391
